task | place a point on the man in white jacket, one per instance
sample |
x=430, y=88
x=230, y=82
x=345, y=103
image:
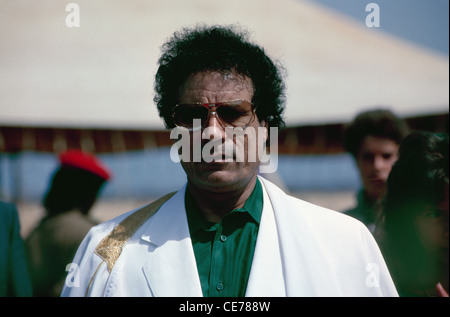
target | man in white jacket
x=227, y=232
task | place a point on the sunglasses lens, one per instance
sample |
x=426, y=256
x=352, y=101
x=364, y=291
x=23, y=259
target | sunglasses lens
x=233, y=114
x=185, y=114
x=236, y=113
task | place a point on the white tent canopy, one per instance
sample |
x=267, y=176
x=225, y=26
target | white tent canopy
x=100, y=75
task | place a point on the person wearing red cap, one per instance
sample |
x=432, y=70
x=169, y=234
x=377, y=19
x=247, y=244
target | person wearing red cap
x=73, y=190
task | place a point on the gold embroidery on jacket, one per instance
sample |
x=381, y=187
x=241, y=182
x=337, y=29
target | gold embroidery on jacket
x=110, y=248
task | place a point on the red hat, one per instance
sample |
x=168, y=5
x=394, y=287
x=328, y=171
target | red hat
x=84, y=161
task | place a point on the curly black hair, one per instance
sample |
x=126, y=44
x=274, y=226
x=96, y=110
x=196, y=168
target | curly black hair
x=380, y=122
x=418, y=179
x=421, y=171
x=222, y=49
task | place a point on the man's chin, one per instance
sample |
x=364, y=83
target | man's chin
x=219, y=176
x=218, y=180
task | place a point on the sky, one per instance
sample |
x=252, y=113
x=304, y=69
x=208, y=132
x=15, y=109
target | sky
x=423, y=22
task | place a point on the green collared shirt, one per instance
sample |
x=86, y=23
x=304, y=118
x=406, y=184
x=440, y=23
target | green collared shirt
x=224, y=251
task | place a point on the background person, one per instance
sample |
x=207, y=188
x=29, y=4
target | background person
x=14, y=277
x=373, y=138
x=416, y=239
x=51, y=246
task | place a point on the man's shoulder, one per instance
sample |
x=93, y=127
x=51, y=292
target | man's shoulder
x=316, y=213
x=356, y=212
x=301, y=211
x=98, y=232
x=131, y=220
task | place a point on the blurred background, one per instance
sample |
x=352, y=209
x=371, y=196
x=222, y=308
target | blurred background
x=91, y=88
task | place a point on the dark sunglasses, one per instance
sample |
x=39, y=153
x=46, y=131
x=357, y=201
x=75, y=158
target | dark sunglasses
x=235, y=113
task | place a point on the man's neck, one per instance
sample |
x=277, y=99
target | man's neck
x=371, y=199
x=215, y=205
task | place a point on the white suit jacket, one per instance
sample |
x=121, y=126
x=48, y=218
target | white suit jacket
x=301, y=250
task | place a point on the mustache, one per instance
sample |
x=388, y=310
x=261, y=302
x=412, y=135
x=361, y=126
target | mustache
x=229, y=147
x=219, y=150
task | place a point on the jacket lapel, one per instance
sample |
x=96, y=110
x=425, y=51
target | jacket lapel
x=266, y=275
x=170, y=267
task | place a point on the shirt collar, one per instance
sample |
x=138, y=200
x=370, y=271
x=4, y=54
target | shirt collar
x=253, y=206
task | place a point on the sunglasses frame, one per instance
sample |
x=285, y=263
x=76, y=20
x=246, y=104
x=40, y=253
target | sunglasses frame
x=209, y=106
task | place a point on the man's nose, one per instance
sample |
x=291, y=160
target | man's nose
x=378, y=162
x=213, y=126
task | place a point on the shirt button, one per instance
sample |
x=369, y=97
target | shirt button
x=219, y=286
x=223, y=238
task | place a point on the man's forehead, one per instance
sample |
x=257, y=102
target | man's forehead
x=216, y=79
x=378, y=144
x=213, y=82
